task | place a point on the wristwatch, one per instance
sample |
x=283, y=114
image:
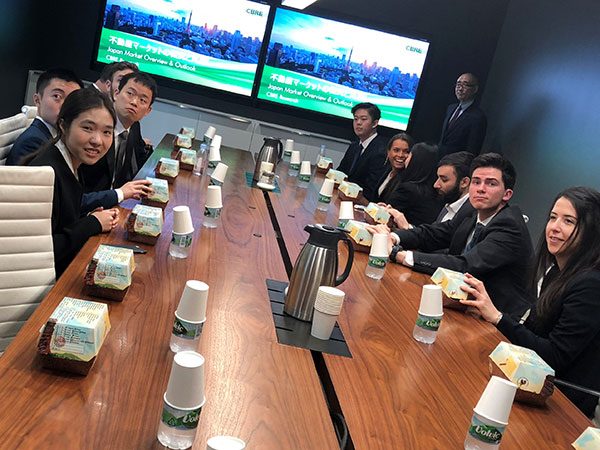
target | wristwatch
x=394, y=252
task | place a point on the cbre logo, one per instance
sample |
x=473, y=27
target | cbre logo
x=413, y=49
x=254, y=12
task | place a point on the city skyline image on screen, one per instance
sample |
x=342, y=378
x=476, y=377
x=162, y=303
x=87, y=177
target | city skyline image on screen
x=210, y=43
x=328, y=66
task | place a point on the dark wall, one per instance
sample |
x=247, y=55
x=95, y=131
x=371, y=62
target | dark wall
x=463, y=36
x=542, y=100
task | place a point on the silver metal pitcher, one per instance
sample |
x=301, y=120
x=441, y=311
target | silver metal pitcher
x=271, y=151
x=317, y=265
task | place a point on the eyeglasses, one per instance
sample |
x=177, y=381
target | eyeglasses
x=465, y=85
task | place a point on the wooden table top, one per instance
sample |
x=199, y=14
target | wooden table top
x=262, y=392
x=397, y=393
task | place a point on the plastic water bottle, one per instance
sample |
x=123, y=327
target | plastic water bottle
x=323, y=203
x=376, y=267
x=185, y=335
x=293, y=170
x=180, y=245
x=211, y=217
x=321, y=154
x=303, y=181
x=200, y=166
x=177, y=428
x=484, y=434
x=426, y=328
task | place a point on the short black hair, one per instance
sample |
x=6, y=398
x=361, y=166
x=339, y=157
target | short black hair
x=497, y=161
x=372, y=110
x=62, y=74
x=460, y=162
x=110, y=69
x=142, y=78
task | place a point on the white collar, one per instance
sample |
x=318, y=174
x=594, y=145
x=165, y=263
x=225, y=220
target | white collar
x=455, y=206
x=62, y=148
x=119, y=128
x=488, y=220
x=367, y=141
x=465, y=105
x=52, y=129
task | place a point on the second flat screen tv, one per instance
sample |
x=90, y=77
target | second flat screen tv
x=328, y=66
x=210, y=43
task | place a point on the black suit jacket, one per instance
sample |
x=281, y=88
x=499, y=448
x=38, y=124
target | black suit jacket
x=571, y=342
x=502, y=258
x=369, y=168
x=30, y=141
x=70, y=230
x=466, y=134
x=99, y=177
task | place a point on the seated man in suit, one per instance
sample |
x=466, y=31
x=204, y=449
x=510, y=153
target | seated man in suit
x=364, y=161
x=52, y=88
x=452, y=186
x=492, y=243
x=111, y=76
x=465, y=123
x=133, y=101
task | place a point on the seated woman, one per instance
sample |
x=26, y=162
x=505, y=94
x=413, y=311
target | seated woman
x=85, y=133
x=564, y=325
x=411, y=192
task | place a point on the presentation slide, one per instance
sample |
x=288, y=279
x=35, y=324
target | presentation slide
x=329, y=66
x=213, y=43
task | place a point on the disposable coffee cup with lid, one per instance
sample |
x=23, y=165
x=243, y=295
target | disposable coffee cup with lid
x=496, y=401
x=213, y=197
x=431, y=301
x=185, y=389
x=346, y=211
x=220, y=172
x=182, y=220
x=327, y=187
x=192, y=304
x=225, y=443
x=210, y=132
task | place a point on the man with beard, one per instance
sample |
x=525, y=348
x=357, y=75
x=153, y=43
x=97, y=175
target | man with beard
x=452, y=185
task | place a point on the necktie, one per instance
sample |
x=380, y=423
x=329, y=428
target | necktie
x=455, y=116
x=478, y=229
x=356, y=158
x=120, y=153
x=442, y=214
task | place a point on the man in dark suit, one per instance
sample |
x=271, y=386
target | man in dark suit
x=364, y=161
x=111, y=76
x=465, y=123
x=492, y=243
x=133, y=101
x=52, y=87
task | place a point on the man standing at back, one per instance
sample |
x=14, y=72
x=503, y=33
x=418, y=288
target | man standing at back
x=111, y=76
x=492, y=243
x=364, y=161
x=465, y=123
x=52, y=87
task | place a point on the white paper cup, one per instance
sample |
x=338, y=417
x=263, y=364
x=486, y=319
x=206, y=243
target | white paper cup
x=305, y=168
x=431, y=299
x=213, y=197
x=182, y=220
x=327, y=187
x=210, y=132
x=225, y=443
x=220, y=172
x=266, y=166
x=192, y=304
x=289, y=145
x=497, y=399
x=346, y=211
x=329, y=300
x=215, y=149
x=322, y=324
x=216, y=142
x=295, y=157
x=186, y=382
x=379, y=246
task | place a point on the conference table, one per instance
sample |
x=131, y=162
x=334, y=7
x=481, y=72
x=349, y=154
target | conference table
x=393, y=393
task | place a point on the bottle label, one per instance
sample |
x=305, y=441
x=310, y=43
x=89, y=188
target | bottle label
x=489, y=434
x=324, y=198
x=287, y=153
x=342, y=223
x=182, y=240
x=214, y=182
x=212, y=164
x=180, y=419
x=187, y=330
x=428, y=323
x=377, y=262
x=303, y=177
x=294, y=166
x=212, y=212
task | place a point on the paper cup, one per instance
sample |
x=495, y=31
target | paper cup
x=225, y=443
x=346, y=211
x=295, y=157
x=182, y=220
x=327, y=187
x=210, y=132
x=266, y=166
x=322, y=324
x=215, y=149
x=289, y=145
x=305, y=168
x=431, y=299
x=192, y=305
x=220, y=172
x=213, y=197
x=186, y=382
x=329, y=300
x=497, y=399
x=379, y=246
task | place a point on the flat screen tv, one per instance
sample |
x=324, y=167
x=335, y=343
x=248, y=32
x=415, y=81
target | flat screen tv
x=215, y=43
x=329, y=66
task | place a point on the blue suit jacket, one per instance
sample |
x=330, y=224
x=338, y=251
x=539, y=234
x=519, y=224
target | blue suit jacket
x=30, y=140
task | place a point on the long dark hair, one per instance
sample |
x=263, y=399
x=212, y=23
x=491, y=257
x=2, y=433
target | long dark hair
x=76, y=103
x=585, y=254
